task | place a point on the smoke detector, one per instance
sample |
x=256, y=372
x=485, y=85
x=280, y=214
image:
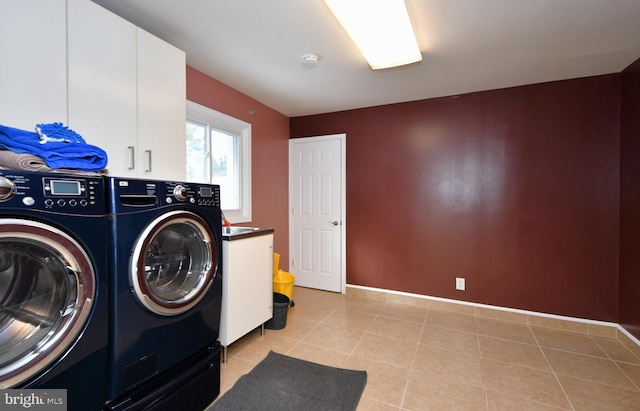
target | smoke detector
x=309, y=60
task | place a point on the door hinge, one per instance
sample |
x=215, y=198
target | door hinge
x=293, y=211
x=293, y=263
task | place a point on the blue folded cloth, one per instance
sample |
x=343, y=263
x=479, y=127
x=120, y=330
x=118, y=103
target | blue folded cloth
x=59, y=147
x=57, y=133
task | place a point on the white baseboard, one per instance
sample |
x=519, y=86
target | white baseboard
x=593, y=327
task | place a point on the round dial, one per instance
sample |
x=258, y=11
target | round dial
x=181, y=192
x=7, y=189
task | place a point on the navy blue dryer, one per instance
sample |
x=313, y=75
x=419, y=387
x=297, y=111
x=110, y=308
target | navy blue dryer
x=53, y=285
x=165, y=281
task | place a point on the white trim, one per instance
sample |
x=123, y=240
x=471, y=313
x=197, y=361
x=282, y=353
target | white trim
x=506, y=309
x=628, y=334
x=226, y=123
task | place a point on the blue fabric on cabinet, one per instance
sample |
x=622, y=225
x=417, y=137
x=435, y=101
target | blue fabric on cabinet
x=75, y=154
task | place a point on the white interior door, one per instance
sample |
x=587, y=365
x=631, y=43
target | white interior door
x=317, y=223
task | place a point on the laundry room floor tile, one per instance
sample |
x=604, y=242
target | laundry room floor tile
x=433, y=357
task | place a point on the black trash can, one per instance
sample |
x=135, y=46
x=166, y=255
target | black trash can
x=280, y=307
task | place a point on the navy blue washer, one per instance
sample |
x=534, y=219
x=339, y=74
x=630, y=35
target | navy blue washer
x=53, y=285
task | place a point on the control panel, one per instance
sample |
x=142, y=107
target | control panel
x=205, y=195
x=135, y=194
x=52, y=192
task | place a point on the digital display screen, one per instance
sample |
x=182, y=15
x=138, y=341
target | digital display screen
x=65, y=188
x=205, y=192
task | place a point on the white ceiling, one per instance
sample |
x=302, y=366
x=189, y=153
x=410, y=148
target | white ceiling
x=254, y=46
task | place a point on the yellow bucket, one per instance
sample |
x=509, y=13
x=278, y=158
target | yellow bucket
x=283, y=284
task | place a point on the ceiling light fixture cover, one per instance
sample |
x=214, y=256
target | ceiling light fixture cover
x=381, y=29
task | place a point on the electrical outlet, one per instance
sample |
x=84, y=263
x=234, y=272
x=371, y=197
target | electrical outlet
x=460, y=283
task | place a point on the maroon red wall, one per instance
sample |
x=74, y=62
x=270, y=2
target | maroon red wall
x=269, y=151
x=630, y=201
x=517, y=190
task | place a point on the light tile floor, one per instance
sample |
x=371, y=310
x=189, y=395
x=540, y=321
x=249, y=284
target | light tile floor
x=420, y=358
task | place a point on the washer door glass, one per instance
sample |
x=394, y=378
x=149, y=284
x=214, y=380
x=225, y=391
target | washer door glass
x=173, y=263
x=46, y=291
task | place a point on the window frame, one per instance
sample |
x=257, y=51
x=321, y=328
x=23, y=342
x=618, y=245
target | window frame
x=219, y=121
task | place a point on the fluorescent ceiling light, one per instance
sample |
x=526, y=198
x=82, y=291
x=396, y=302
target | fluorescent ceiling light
x=381, y=29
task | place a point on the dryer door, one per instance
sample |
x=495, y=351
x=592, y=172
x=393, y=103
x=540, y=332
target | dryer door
x=173, y=263
x=47, y=285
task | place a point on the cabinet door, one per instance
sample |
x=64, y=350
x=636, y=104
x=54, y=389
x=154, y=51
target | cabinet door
x=247, y=286
x=161, y=109
x=102, y=82
x=33, y=72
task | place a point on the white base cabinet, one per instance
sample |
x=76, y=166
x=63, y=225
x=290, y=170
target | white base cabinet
x=247, y=286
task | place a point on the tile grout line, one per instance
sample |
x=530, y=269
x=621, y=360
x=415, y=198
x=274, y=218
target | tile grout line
x=413, y=361
x=317, y=325
x=484, y=382
x=615, y=363
x=551, y=368
x=352, y=354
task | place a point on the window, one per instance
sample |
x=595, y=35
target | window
x=219, y=152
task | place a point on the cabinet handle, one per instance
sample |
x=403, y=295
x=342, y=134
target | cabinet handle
x=132, y=157
x=148, y=156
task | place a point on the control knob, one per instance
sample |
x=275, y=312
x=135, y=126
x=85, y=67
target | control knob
x=181, y=192
x=7, y=189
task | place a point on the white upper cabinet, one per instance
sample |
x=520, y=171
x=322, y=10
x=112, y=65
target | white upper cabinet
x=121, y=88
x=162, y=109
x=33, y=71
x=102, y=81
x=127, y=91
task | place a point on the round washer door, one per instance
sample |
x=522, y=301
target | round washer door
x=47, y=287
x=173, y=263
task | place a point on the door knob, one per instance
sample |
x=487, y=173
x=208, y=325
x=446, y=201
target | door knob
x=334, y=222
